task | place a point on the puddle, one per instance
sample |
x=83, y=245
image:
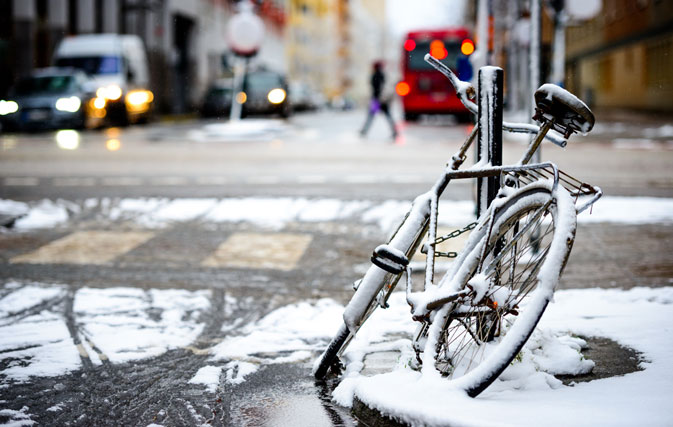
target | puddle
x=274, y=398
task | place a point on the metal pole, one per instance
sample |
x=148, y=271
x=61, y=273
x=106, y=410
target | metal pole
x=535, y=52
x=558, y=69
x=240, y=69
x=489, y=147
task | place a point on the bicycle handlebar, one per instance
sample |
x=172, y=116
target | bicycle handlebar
x=466, y=92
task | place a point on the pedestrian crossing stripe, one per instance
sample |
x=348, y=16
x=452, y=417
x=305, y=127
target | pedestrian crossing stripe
x=85, y=247
x=276, y=251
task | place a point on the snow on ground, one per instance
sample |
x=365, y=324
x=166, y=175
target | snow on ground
x=151, y=321
x=256, y=129
x=526, y=395
x=18, y=418
x=277, y=212
x=35, y=340
x=287, y=334
x=44, y=214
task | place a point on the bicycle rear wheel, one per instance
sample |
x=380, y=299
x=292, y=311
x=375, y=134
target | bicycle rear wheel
x=514, y=268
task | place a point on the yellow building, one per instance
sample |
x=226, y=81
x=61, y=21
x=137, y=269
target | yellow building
x=312, y=44
x=331, y=44
x=623, y=58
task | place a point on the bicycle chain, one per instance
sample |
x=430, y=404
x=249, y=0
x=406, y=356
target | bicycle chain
x=451, y=235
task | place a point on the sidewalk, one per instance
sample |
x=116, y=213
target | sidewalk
x=624, y=125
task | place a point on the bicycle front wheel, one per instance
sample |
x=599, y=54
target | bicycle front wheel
x=513, y=268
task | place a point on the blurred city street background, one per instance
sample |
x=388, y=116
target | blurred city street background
x=139, y=253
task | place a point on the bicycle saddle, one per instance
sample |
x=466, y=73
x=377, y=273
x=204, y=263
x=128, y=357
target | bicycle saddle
x=569, y=113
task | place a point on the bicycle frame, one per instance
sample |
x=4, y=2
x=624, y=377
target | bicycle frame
x=422, y=217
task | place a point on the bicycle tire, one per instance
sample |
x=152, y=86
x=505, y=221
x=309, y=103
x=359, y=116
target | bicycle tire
x=477, y=342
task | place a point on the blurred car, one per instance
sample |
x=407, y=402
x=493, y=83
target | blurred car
x=50, y=98
x=304, y=98
x=264, y=92
x=217, y=101
x=118, y=65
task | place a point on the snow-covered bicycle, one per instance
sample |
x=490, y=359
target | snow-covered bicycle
x=476, y=319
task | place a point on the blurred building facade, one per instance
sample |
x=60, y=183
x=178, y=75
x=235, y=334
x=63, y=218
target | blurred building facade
x=185, y=39
x=623, y=58
x=311, y=45
x=331, y=44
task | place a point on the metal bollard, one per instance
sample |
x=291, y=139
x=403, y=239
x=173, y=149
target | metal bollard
x=489, y=146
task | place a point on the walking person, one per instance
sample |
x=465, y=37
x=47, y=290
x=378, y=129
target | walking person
x=379, y=102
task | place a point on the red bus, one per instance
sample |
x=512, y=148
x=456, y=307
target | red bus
x=423, y=89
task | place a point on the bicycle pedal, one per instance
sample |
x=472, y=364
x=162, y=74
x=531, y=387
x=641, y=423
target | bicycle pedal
x=389, y=259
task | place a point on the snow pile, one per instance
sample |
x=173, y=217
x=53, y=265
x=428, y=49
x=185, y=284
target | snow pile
x=12, y=208
x=44, y=214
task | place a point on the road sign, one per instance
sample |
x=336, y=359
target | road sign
x=245, y=32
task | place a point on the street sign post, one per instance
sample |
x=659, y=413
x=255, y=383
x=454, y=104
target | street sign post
x=245, y=34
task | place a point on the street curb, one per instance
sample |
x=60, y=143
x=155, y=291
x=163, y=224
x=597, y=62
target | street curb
x=371, y=417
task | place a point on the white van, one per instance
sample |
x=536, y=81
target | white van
x=119, y=67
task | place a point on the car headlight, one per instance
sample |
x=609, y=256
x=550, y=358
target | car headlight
x=276, y=96
x=8, y=107
x=99, y=103
x=111, y=92
x=139, y=97
x=70, y=105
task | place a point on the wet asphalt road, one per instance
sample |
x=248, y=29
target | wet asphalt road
x=318, y=156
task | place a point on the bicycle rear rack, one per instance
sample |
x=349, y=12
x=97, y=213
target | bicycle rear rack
x=545, y=171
